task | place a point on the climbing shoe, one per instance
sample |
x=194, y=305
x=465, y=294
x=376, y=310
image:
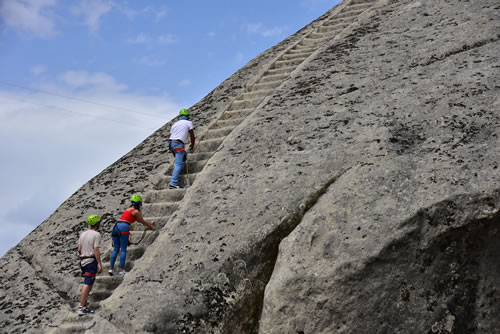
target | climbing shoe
x=174, y=186
x=83, y=310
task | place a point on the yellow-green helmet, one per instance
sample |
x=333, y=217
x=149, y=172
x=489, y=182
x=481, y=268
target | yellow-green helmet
x=93, y=219
x=184, y=112
x=136, y=198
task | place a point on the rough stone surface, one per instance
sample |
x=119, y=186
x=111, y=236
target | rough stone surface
x=361, y=196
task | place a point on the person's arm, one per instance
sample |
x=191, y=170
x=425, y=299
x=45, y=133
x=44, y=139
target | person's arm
x=191, y=134
x=141, y=220
x=79, y=249
x=98, y=258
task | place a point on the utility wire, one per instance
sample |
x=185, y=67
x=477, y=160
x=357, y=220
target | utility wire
x=77, y=112
x=81, y=100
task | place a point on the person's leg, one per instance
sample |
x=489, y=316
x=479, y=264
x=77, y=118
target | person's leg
x=180, y=163
x=85, y=293
x=116, y=250
x=90, y=273
x=124, y=239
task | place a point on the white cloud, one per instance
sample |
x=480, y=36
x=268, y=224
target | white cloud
x=261, y=29
x=160, y=14
x=93, y=11
x=166, y=39
x=32, y=16
x=129, y=12
x=38, y=69
x=99, y=81
x=141, y=38
x=184, y=83
x=150, y=61
x=151, y=41
x=157, y=14
x=56, y=144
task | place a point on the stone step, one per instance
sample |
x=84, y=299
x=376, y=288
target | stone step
x=81, y=324
x=209, y=145
x=301, y=49
x=134, y=252
x=193, y=166
x=148, y=238
x=218, y=133
x=358, y=5
x=236, y=113
x=105, y=267
x=280, y=70
x=269, y=86
x=246, y=103
x=288, y=63
x=355, y=2
x=184, y=180
x=349, y=14
x=333, y=29
x=74, y=318
x=76, y=327
x=159, y=223
x=224, y=123
x=104, y=281
x=339, y=20
x=319, y=35
x=100, y=295
x=291, y=56
x=161, y=209
x=255, y=94
x=165, y=195
x=313, y=42
x=274, y=77
x=197, y=156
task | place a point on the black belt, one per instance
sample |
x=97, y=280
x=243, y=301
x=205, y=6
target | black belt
x=177, y=141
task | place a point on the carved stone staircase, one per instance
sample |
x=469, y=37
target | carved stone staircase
x=162, y=202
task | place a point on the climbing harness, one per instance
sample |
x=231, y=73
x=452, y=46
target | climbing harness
x=81, y=267
x=115, y=232
x=172, y=150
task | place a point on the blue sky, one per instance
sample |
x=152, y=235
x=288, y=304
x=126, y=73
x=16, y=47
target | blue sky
x=82, y=82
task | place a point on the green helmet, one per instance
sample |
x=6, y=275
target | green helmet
x=93, y=219
x=184, y=112
x=136, y=198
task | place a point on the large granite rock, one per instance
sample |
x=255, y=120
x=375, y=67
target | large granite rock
x=361, y=196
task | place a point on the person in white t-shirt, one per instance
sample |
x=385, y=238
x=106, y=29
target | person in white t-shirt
x=178, y=137
x=90, y=259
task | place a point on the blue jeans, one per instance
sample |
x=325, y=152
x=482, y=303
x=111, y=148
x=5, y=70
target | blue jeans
x=120, y=244
x=180, y=162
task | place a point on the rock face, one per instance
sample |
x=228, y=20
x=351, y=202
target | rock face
x=346, y=181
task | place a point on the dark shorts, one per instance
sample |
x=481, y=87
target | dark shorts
x=90, y=271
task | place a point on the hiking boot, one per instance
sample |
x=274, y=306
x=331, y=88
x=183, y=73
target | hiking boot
x=83, y=310
x=110, y=272
x=174, y=186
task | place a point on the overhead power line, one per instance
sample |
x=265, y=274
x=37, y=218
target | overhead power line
x=77, y=112
x=81, y=100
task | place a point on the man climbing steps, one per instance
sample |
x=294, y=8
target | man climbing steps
x=178, y=137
